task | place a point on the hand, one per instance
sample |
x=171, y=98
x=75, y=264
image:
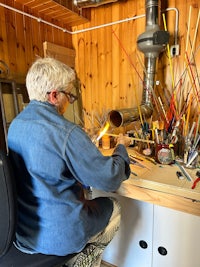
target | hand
x=123, y=140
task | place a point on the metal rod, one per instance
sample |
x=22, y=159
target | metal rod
x=133, y=138
x=186, y=174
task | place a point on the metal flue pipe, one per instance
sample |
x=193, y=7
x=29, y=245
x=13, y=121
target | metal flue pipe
x=151, y=43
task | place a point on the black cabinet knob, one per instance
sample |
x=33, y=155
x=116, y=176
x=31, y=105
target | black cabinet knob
x=162, y=251
x=143, y=244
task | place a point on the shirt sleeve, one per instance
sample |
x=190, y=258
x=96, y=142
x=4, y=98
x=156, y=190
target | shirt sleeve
x=90, y=167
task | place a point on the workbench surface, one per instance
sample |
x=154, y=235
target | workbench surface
x=160, y=185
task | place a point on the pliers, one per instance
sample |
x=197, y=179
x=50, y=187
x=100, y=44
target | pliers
x=197, y=180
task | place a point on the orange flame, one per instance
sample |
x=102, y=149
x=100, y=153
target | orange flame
x=103, y=131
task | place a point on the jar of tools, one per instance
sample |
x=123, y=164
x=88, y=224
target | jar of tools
x=163, y=154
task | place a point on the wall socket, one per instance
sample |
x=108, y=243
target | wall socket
x=174, y=50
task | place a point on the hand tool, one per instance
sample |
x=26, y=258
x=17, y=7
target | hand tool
x=197, y=180
x=186, y=174
x=135, y=162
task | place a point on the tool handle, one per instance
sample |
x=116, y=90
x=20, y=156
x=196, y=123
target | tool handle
x=195, y=183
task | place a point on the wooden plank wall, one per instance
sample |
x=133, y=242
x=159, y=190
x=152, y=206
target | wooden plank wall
x=110, y=66
x=104, y=60
x=108, y=62
x=21, y=39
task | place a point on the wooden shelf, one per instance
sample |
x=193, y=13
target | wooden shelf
x=61, y=13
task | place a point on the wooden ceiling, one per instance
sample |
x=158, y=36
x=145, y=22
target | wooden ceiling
x=60, y=12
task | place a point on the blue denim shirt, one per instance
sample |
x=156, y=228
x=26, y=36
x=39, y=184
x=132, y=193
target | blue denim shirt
x=52, y=157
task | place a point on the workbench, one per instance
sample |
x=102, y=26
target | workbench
x=160, y=215
x=159, y=184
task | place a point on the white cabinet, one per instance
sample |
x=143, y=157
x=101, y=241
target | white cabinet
x=132, y=245
x=177, y=234
x=171, y=238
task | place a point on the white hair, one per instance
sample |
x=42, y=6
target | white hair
x=47, y=74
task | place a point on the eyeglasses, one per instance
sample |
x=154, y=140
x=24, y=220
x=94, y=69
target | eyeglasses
x=71, y=97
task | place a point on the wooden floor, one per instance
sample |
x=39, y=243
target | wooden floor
x=106, y=264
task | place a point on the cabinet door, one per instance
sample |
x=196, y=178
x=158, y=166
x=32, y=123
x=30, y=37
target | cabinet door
x=132, y=245
x=176, y=239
